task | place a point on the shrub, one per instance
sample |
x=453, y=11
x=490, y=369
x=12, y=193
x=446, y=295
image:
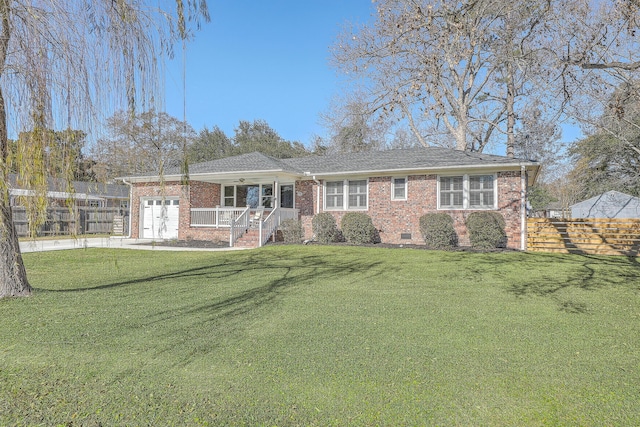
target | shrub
x=292, y=231
x=324, y=227
x=438, y=231
x=486, y=230
x=358, y=228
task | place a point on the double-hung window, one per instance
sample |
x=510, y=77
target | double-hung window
x=356, y=192
x=452, y=192
x=481, y=191
x=398, y=188
x=467, y=192
x=334, y=195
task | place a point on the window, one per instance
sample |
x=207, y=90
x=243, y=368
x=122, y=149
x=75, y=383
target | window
x=356, y=191
x=229, y=196
x=481, y=191
x=467, y=192
x=398, y=188
x=357, y=194
x=253, y=195
x=451, y=192
x=267, y=195
x=334, y=192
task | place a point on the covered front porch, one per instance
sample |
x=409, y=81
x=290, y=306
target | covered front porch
x=244, y=206
x=242, y=220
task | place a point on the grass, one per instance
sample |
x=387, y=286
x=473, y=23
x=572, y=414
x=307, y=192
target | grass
x=297, y=335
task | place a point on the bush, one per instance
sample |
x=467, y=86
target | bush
x=324, y=227
x=438, y=231
x=292, y=231
x=358, y=228
x=486, y=230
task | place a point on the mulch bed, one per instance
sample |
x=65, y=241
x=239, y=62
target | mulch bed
x=206, y=244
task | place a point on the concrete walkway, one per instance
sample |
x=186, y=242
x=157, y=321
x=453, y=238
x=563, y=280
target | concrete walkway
x=103, y=242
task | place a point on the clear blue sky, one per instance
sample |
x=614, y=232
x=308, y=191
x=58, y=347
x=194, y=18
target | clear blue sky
x=265, y=60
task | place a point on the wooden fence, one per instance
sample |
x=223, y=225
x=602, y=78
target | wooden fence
x=80, y=220
x=596, y=236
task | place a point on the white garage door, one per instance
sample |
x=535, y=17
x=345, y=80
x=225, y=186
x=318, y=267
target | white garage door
x=160, y=218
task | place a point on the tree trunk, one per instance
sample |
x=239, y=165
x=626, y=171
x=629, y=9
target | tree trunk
x=511, y=115
x=13, y=276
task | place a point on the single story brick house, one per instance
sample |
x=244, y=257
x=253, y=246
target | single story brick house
x=243, y=199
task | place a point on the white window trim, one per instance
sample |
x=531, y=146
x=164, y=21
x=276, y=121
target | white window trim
x=345, y=195
x=393, y=188
x=260, y=196
x=465, y=193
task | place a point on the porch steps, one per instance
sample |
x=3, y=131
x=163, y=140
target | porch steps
x=249, y=239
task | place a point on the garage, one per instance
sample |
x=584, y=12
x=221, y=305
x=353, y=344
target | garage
x=160, y=218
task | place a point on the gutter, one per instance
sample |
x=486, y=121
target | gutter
x=317, y=194
x=378, y=172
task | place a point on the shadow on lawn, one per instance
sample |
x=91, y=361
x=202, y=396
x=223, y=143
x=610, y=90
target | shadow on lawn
x=585, y=272
x=547, y=275
x=194, y=326
x=212, y=324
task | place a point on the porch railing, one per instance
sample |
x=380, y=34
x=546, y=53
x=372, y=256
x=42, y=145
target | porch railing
x=214, y=217
x=272, y=222
x=239, y=226
x=239, y=220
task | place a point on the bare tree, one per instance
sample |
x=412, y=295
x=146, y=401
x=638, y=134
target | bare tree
x=143, y=142
x=538, y=139
x=432, y=62
x=458, y=70
x=596, y=46
x=353, y=126
x=62, y=65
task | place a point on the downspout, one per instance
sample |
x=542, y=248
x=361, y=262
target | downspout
x=124, y=181
x=317, y=195
x=523, y=208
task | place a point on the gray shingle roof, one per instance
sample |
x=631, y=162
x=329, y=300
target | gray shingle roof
x=401, y=159
x=244, y=163
x=414, y=159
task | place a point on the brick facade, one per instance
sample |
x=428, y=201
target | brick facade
x=396, y=220
x=195, y=195
x=153, y=189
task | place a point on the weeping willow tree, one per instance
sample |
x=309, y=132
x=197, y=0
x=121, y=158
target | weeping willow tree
x=68, y=64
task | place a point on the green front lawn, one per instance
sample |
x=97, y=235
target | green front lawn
x=299, y=335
